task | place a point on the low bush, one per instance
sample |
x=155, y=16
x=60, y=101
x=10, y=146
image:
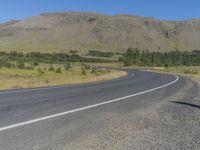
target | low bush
x=35, y=63
x=94, y=70
x=58, y=70
x=40, y=72
x=190, y=71
x=20, y=65
x=51, y=68
x=68, y=66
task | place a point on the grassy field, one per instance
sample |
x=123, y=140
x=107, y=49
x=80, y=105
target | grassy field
x=112, y=64
x=13, y=78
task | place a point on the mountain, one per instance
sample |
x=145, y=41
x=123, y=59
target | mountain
x=91, y=31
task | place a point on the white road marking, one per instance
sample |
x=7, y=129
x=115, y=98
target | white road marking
x=84, y=108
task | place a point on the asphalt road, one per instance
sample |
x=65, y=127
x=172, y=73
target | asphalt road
x=54, y=118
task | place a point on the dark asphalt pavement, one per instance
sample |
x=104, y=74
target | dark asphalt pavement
x=57, y=132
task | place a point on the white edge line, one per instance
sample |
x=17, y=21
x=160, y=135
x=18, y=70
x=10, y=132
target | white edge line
x=83, y=108
x=61, y=86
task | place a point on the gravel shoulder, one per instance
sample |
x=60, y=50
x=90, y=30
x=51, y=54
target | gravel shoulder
x=170, y=124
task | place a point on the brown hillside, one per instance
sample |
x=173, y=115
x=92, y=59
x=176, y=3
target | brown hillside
x=85, y=31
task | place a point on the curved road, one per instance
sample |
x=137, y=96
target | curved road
x=52, y=118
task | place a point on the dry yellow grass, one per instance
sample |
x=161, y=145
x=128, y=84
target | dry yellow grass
x=196, y=78
x=18, y=78
x=192, y=72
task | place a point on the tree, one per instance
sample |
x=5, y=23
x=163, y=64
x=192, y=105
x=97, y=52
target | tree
x=173, y=58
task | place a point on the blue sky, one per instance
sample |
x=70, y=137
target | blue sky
x=162, y=9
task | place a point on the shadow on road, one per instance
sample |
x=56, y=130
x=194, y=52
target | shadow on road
x=184, y=103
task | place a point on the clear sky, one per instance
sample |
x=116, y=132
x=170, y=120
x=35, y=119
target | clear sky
x=162, y=9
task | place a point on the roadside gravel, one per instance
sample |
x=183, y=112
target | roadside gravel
x=170, y=124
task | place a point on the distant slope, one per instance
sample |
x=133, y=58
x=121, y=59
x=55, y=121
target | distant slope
x=85, y=31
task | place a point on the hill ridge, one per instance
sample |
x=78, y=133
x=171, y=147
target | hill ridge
x=86, y=30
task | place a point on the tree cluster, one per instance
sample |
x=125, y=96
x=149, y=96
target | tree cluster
x=173, y=58
x=38, y=57
x=100, y=54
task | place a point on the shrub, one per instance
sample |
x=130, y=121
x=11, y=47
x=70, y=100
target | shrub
x=190, y=71
x=29, y=68
x=13, y=65
x=35, y=63
x=51, y=68
x=91, y=19
x=94, y=70
x=5, y=64
x=82, y=65
x=46, y=81
x=87, y=67
x=20, y=65
x=40, y=72
x=83, y=72
x=166, y=66
x=58, y=70
x=68, y=66
x=73, y=51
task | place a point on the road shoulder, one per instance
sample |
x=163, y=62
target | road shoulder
x=169, y=124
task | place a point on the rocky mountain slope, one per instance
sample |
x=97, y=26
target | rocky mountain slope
x=91, y=31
